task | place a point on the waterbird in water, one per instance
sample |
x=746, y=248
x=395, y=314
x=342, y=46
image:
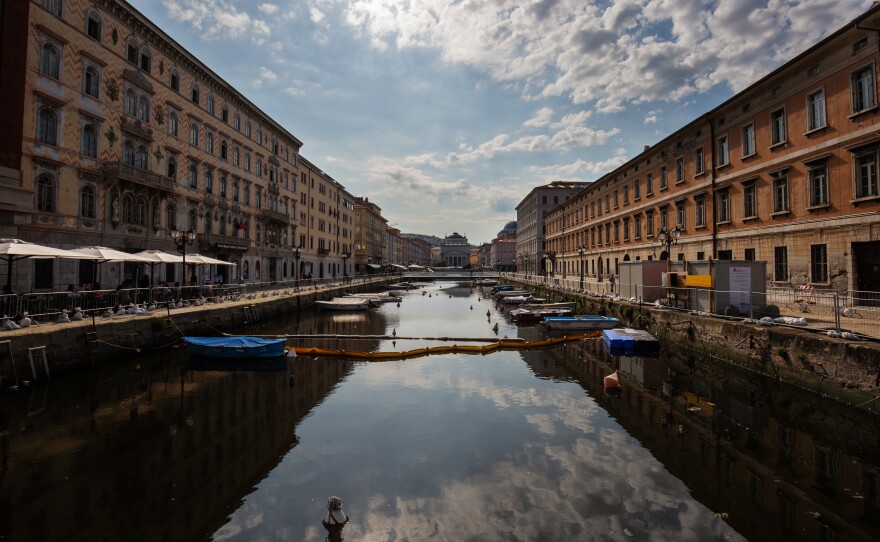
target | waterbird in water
x=394, y=332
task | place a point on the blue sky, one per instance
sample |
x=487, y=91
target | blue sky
x=447, y=112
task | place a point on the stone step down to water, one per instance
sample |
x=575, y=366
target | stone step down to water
x=630, y=342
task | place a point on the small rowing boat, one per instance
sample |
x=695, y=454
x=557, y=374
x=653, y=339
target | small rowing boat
x=235, y=347
x=580, y=323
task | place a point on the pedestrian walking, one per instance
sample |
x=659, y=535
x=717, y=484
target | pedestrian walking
x=611, y=282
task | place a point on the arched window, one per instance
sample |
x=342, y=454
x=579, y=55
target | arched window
x=53, y=7
x=128, y=153
x=130, y=102
x=143, y=111
x=223, y=149
x=259, y=167
x=208, y=221
x=131, y=51
x=90, y=82
x=224, y=114
x=209, y=180
x=146, y=59
x=141, y=158
x=247, y=128
x=127, y=209
x=46, y=194
x=171, y=217
x=93, y=25
x=209, y=142
x=47, y=128
x=172, y=124
x=89, y=141
x=194, y=134
x=235, y=155
x=259, y=233
x=87, y=202
x=193, y=176
x=50, y=60
x=172, y=167
x=222, y=224
x=175, y=81
x=257, y=270
x=234, y=190
x=195, y=93
x=236, y=122
x=192, y=219
x=140, y=212
x=211, y=104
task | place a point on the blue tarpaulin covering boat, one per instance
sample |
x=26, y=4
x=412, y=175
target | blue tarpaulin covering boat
x=236, y=347
x=582, y=322
x=631, y=342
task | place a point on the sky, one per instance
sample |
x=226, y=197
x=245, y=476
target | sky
x=446, y=113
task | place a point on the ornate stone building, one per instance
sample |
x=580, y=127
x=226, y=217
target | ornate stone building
x=371, y=228
x=455, y=250
x=784, y=171
x=126, y=136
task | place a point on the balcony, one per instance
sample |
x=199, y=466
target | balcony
x=126, y=172
x=323, y=252
x=276, y=216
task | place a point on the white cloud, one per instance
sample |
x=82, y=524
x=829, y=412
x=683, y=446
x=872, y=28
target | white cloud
x=651, y=117
x=216, y=19
x=631, y=52
x=542, y=118
x=581, y=168
x=268, y=9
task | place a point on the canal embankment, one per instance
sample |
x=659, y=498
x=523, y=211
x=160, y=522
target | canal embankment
x=49, y=349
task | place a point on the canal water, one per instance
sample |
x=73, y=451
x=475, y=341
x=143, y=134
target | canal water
x=514, y=445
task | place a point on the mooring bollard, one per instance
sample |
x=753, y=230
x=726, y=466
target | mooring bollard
x=335, y=519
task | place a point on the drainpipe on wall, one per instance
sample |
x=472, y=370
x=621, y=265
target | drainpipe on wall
x=712, y=189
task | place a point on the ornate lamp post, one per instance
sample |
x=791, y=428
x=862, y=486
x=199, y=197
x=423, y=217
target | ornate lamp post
x=581, y=250
x=344, y=270
x=182, y=238
x=668, y=237
x=296, y=255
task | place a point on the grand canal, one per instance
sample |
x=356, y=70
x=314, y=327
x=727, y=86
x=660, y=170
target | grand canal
x=514, y=445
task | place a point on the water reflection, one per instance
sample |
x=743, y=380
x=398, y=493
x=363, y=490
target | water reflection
x=516, y=445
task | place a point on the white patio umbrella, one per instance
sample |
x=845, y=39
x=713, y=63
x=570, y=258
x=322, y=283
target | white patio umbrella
x=101, y=255
x=198, y=259
x=13, y=250
x=156, y=257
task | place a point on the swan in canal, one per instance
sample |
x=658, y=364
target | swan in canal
x=63, y=318
x=77, y=315
x=25, y=320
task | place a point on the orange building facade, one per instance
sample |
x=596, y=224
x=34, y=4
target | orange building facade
x=784, y=171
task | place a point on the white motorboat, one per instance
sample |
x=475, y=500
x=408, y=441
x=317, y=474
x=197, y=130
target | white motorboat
x=344, y=304
x=376, y=297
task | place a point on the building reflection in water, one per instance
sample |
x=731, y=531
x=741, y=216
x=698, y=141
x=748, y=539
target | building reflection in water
x=774, y=463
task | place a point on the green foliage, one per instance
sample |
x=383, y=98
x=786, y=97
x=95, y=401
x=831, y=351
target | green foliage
x=158, y=323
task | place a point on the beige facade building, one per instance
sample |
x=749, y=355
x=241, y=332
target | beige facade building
x=369, y=235
x=531, y=248
x=127, y=136
x=784, y=171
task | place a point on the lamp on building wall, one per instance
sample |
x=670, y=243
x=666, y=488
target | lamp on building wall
x=182, y=238
x=296, y=255
x=581, y=251
x=344, y=270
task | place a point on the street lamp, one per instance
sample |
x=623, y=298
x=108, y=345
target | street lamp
x=668, y=237
x=296, y=255
x=581, y=250
x=344, y=270
x=182, y=238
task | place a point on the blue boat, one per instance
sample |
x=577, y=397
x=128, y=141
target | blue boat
x=585, y=322
x=631, y=342
x=236, y=347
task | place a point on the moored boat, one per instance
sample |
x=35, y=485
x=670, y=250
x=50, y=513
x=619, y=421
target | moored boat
x=238, y=347
x=542, y=306
x=402, y=286
x=377, y=297
x=344, y=304
x=583, y=322
x=524, y=316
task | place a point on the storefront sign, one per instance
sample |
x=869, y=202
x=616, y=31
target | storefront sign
x=230, y=247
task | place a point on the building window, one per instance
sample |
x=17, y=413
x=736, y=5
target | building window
x=236, y=122
x=87, y=202
x=780, y=194
x=209, y=180
x=247, y=161
x=130, y=103
x=172, y=168
x=171, y=217
x=780, y=263
x=140, y=212
x=750, y=202
x=224, y=114
x=47, y=126
x=211, y=104
x=626, y=195
x=127, y=208
x=698, y=161
x=131, y=51
x=175, y=81
x=748, y=140
x=195, y=94
x=679, y=215
x=649, y=184
x=649, y=223
x=173, y=128
x=146, y=59
x=50, y=61
x=141, y=157
x=53, y=7
x=777, y=127
x=626, y=229
x=223, y=149
x=90, y=81
x=223, y=186
x=247, y=194
x=664, y=218
x=749, y=254
x=679, y=169
x=193, y=176
x=700, y=211
x=862, y=88
x=637, y=226
x=194, y=134
x=93, y=26
x=723, y=151
x=235, y=156
x=247, y=128
x=723, y=206
x=128, y=153
x=209, y=143
x=818, y=178
x=192, y=220
x=664, y=181
x=90, y=141
x=235, y=191
x=816, y=110
x=866, y=174
x=143, y=110
x=46, y=194
x=616, y=203
x=636, y=190
x=818, y=263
